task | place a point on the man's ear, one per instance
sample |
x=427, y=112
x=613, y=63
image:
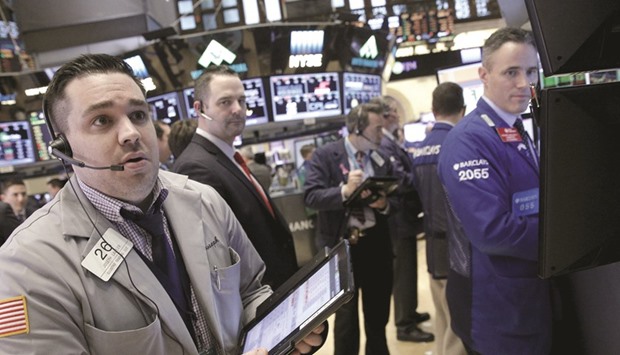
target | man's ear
x=483, y=74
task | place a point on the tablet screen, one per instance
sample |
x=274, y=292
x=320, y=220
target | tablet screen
x=306, y=306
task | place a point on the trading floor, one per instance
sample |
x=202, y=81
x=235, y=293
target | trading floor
x=425, y=305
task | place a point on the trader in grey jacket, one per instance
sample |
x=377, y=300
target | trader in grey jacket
x=80, y=277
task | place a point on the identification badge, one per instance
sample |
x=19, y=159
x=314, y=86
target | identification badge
x=377, y=158
x=509, y=135
x=525, y=203
x=106, y=256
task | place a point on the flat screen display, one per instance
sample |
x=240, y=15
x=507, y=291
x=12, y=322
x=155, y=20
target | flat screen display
x=166, y=107
x=41, y=135
x=16, y=145
x=188, y=98
x=302, y=96
x=137, y=66
x=255, y=101
x=359, y=88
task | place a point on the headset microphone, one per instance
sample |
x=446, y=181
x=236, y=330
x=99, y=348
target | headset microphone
x=205, y=116
x=58, y=154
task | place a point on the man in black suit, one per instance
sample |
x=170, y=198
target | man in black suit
x=335, y=171
x=211, y=159
x=405, y=224
x=8, y=221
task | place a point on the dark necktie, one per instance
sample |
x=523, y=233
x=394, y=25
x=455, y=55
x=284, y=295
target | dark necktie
x=169, y=270
x=525, y=138
x=358, y=211
x=241, y=162
x=360, y=157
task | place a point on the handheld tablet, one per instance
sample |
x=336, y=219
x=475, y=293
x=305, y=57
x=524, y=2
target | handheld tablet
x=375, y=184
x=302, y=303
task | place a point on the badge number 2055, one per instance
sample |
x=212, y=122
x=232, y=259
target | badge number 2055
x=474, y=174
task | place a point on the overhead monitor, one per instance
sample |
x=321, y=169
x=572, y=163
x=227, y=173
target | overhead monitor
x=16, y=147
x=359, y=88
x=41, y=135
x=188, y=98
x=580, y=178
x=137, y=66
x=166, y=107
x=581, y=36
x=364, y=50
x=256, y=104
x=302, y=96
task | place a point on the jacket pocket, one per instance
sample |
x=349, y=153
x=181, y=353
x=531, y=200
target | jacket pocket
x=146, y=340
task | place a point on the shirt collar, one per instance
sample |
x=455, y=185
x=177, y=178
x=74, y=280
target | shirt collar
x=388, y=134
x=509, y=118
x=110, y=207
x=223, y=146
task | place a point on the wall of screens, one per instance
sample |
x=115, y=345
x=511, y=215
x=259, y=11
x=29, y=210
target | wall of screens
x=166, y=107
x=16, y=145
x=359, y=88
x=301, y=96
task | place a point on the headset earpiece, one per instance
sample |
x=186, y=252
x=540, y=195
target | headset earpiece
x=62, y=145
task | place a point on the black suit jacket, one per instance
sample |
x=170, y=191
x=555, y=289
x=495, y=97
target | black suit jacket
x=404, y=222
x=8, y=221
x=204, y=162
x=325, y=175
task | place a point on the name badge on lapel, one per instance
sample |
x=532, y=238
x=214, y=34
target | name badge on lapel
x=107, y=255
x=509, y=135
x=377, y=158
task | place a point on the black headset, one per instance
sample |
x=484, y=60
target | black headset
x=357, y=115
x=59, y=142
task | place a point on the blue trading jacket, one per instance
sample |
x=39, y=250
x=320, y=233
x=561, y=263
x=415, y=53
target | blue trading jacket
x=492, y=187
x=431, y=192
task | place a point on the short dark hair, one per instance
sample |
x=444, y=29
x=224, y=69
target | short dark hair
x=357, y=119
x=504, y=35
x=181, y=133
x=201, y=87
x=86, y=64
x=448, y=99
x=306, y=149
x=10, y=182
x=55, y=182
x=158, y=130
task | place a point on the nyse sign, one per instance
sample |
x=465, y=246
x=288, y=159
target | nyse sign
x=305, y=61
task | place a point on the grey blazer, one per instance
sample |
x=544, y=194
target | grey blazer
x=72, y=311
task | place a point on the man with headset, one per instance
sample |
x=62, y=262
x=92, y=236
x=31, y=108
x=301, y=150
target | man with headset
x=210, y=158
x=335, y=171
x=86, y=274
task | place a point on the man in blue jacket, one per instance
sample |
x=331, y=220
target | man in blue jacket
x=448, y=109
x=489, y=168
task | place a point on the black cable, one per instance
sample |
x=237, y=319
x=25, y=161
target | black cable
x=157, y=313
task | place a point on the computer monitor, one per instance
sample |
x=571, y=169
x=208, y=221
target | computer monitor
x=580, y=178
x=299, y=96
x=41, y=135
x=16, y=146
x=574, y=36
x=359, y=88
x=166, y=107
